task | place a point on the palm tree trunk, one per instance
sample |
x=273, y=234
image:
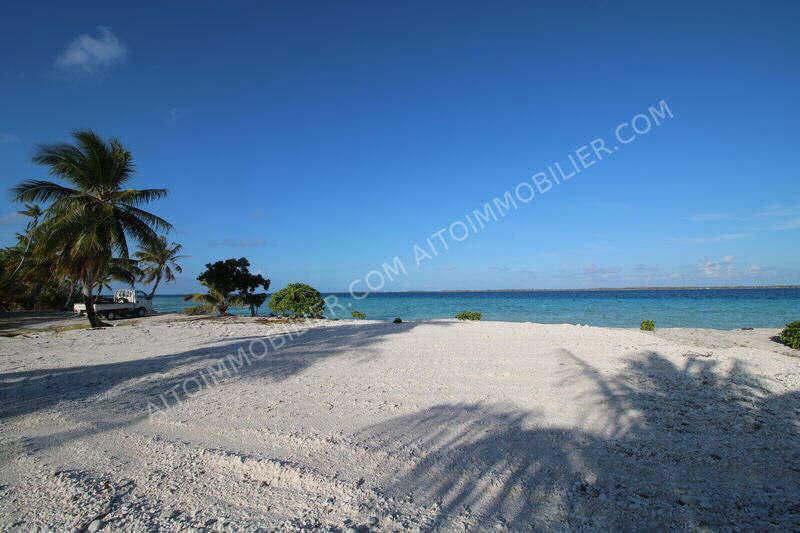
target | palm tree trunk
x=30, y=228
x=71, y=295
x=94, y=320
x=252, y=310
x=153, y=292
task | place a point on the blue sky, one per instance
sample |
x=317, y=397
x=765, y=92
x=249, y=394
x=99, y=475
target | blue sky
x=321, y=140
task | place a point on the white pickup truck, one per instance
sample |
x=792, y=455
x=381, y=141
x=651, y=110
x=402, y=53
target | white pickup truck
x=126, y=302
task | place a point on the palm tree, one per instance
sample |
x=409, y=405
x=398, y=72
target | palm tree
x=89, y=223
x=34, y=213
x=159, y=261
x=117, y=269
x=216, y=299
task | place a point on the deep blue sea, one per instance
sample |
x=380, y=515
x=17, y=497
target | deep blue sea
x=707, y=308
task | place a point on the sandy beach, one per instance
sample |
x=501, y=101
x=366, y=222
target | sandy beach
x=239, y=424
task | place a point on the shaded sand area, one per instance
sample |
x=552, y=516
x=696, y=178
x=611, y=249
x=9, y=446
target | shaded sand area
x=418, y=425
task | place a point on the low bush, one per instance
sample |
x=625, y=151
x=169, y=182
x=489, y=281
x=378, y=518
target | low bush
x=358, y=314
x=647, y=325
x=198, y=310
x=790, y=336
x=298, y=299
x=468, y=315
x=398, y=320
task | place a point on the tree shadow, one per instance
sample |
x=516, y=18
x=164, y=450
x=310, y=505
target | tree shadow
x=681, y=447
x=122, y=391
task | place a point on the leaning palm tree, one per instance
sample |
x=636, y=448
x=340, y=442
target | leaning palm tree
x=88, y=223
x=216, y=299
x=34, y=213
x=159, y=261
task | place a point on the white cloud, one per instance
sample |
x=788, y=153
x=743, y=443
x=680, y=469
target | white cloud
x=87, y=54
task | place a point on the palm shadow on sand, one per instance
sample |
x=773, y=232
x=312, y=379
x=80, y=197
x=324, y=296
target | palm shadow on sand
x=119, y=394
x=683, y=447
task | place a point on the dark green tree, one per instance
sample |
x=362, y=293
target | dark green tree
x=233, y=277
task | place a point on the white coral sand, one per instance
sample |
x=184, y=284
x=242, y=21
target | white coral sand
x=237, y=424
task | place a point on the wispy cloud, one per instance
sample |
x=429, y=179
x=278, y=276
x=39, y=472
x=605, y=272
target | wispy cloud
x=712, y=238
x=789, y=224
x=238, y=243
x=601, y=271
x=710, y=217
x=88, y=54
x=717, y=268
x=7, y=138
x=778, y=210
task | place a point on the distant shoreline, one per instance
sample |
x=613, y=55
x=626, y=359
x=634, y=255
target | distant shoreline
x=592, y=289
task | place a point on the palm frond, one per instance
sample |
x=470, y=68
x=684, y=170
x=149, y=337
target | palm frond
x=41, y=191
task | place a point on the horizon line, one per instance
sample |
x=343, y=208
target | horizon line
x=588, y=289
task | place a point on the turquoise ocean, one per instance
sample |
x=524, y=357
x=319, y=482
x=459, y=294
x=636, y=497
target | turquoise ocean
x=707, y=308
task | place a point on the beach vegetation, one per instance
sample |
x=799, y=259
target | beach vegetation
x=469, y=315
x=647, y=325
x=790, y=336
x=90, y=220
x=159, y=260
x=233, y=276
x=398, y=320
x=358, y=315
x=202, y=309
x=216, y=298
x=298, y=299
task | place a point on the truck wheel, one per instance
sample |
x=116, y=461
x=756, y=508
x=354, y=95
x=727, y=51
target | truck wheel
x=141, y=311
x=111, y=315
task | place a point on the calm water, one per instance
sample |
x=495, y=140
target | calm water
x=708, y=308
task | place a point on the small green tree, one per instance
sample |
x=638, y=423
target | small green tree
x=469, y=315
x=233, y=276
x=358, y=315
x=216, y=299
x=298, y=299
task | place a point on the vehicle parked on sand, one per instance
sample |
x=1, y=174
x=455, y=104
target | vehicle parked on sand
x=126, y=302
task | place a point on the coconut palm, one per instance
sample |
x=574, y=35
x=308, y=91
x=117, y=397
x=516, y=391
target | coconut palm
x=89, y=222
x=158, y=261
x=34, y=213
x=117, y=269
x=216, y=299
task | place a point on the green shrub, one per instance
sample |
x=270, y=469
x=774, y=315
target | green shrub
x=647, y=325
x=358, y=314
x=298, y=299
x=790, y=336
x=468, y=315
x=398, y=320
x=198, y=310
